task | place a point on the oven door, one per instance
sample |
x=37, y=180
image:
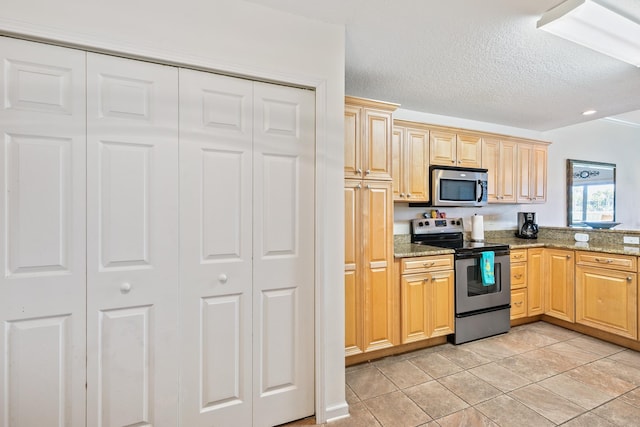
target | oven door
x=471, y=294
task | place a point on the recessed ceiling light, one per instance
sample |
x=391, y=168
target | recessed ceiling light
x=588, y=112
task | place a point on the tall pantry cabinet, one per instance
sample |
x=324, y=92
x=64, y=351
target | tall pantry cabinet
x=371, y=299
x=156, y=266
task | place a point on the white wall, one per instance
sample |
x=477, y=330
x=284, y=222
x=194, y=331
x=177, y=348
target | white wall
x=241, y=38
x=598, y=140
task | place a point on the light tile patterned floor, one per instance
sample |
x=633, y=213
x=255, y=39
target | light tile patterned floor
x=536, y=375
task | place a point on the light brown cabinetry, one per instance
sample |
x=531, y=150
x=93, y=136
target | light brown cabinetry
x=607, y=292
x=451, y=148
x=367, y=136
x=410, y=154
x=427, y=297
x=559, y=284
x=535, y=283
x=531, y=173
x=499, y=158
x=518, y=283
x=371, y=297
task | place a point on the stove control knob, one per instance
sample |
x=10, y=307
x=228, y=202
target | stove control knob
x=426, y=223
x=420, y=224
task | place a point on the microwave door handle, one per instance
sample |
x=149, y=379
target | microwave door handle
x=481, y=190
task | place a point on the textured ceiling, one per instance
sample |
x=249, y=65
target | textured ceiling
x=478, y=60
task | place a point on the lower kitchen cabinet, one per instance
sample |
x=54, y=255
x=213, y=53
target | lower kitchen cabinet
x=518, y=260
x=427, y=297
x=559, y=289
x=535, y=287
x=607, y=295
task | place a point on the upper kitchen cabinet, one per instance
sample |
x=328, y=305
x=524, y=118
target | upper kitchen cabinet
x=532, y=173
x=410, y=150
x=451, y=148
x=499, y=158
x=367, y=138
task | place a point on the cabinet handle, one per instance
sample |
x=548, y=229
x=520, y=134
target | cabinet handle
x=401, y=194
x=359, y=186
x=568, y=256
x=426, y=279
x=605, y=261
x=429, y=264
x=125, y=287
x=629, y=278
x=453, y=161
x=359, y=171
x=367, y=172
x=222, y=278
x=518, y=303
x=518, y=256
x=408, y=195
x=518, y=276
x=368, y=186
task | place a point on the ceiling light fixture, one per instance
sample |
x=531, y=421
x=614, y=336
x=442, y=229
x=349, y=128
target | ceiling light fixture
x=596, y=27
x=588, y=112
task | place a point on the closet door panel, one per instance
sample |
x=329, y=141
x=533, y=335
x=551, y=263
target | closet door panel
x=283, y=242
x=42, y=256
x=215, y=245
x=132, y=248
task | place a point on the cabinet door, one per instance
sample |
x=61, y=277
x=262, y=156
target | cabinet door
x=442, y=148
x=469, y=150
x=353, y=267
x=352, y=142
x=132, y=242
x=507, y=172
x=398, y=161
x=560, y=301
x=417, y=165
x=381, y=322
x=607, y=300
x=43, y=235
x=535, y=288
x=491, y=162
x=499, y=157
x=416, y=300
x=538, y=180
x=442, y=303
x=524, y=161
x=377, y=144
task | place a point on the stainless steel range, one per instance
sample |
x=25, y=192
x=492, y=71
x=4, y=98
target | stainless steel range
x=482, y=309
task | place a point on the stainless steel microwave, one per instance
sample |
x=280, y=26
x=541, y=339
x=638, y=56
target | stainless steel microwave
x=454, y=186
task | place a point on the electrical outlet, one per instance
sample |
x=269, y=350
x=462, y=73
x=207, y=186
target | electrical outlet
x=631, y=240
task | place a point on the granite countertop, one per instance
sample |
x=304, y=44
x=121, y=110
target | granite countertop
x=613, y=248
x=406, y=249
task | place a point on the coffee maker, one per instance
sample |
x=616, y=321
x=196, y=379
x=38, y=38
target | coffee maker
x=527, y=227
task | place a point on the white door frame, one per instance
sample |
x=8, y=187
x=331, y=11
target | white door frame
x=97, y=44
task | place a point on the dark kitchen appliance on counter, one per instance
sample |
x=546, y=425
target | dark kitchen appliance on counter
x=527, y=226
x=481, y=309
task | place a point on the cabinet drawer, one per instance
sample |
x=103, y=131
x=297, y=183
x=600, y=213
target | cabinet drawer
x=612, y=261
x=518, y=275
x=426, y=263
x=518, y=303
x=518, y=255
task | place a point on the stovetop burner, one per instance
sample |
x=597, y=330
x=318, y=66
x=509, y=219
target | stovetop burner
x=449, y=233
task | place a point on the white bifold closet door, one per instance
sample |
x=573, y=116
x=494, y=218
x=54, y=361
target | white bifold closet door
x=42, y=217
x=247, y=167
x=132, y=243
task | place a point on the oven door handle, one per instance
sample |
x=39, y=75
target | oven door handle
x=477, y=255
